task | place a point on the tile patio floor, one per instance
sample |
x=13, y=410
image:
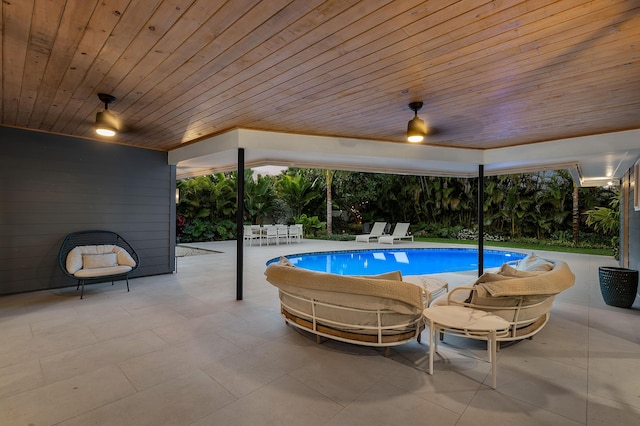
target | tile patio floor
x=180, y=350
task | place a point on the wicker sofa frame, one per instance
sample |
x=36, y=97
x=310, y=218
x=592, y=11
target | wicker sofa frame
x=326, y=326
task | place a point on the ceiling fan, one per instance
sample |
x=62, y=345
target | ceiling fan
x=416, y=129
x=107, y=124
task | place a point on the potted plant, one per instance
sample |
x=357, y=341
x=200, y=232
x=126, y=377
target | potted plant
x=618, y=285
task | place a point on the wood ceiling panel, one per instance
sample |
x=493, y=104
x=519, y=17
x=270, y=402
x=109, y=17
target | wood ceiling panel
x=233, y=88
x=335, y=86
x=16, y=27
x=45, y=18
x=90, y=50
x=68, y=36
x=491, y=73
x=131, y=28
x=224, y=49
x=186, y=99
x=268, y=101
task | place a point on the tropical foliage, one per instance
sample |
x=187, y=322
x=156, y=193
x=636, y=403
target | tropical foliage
x=540, y=206
x=605, y=219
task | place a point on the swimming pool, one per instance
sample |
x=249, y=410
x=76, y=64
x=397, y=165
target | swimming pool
x=409, y=261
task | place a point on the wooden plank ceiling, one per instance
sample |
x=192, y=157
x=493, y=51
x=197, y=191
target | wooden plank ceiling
x=491, y=73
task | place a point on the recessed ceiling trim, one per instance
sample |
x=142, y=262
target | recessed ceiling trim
x=286, y=149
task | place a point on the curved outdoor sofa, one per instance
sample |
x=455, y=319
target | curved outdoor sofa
x=380, y=310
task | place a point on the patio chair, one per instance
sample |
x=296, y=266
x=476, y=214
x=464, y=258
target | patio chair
x=283, y=233
x=270, y=233
x=97, y=256
x=376, y=232
x=295, y=233
x=400, y=232
x=250, y=234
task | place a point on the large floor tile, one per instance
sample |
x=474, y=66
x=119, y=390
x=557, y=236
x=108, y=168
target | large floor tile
x=156, y=367
x=83, y=360
x=29, y=348
x=289, y=354
x=243, y=373
x=450, y=389
x=284, y=401
x=490, y=408
x=192, y=328
x=602, y=411
x=386, y=404
x=615, y=375
x=151, y=317
x=248, y=334
x=341, y=377
x=544, y=382
x=14, y=330
x=17, y=378
x=180, y=401
x=50, y=404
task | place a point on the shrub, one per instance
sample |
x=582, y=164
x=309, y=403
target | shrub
x=311, y=225
x=472, y=234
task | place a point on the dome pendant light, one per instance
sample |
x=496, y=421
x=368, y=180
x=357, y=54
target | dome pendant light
x=106, y=122
x=416, y=130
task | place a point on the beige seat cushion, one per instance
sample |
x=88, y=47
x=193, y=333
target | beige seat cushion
x=102, y=272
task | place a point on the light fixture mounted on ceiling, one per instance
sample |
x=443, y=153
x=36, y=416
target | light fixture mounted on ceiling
x=106, y=122
x=417, y=129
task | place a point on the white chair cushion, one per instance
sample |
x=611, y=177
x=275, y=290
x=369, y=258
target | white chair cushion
x=101, y=272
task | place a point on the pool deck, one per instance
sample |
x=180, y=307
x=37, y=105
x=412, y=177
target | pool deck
x=180, y=350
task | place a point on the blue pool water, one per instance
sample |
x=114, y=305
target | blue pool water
x=408, y=261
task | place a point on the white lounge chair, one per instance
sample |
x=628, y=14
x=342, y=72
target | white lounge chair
x=400, y=232
x=376, y=232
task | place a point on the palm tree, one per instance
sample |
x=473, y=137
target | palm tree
x=328, y=175
x=576, y=214
x=606, y=219
x=297, y=192
x=259, y=197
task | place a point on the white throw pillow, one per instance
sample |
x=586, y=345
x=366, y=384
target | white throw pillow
x=74, y=260
x=509, y=271
x=124, y=258
x=92, y=261
x=285, y=262
x=534, y=263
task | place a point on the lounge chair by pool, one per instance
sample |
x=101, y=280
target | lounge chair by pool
x=376, y=232
x=400, y=232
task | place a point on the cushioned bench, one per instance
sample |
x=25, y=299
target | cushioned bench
x=97, y=256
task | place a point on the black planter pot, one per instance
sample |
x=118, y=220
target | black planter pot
x=618, y=285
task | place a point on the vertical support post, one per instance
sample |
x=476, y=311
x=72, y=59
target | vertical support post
x=240, y=225
x=172, y=261
x=480, y=219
